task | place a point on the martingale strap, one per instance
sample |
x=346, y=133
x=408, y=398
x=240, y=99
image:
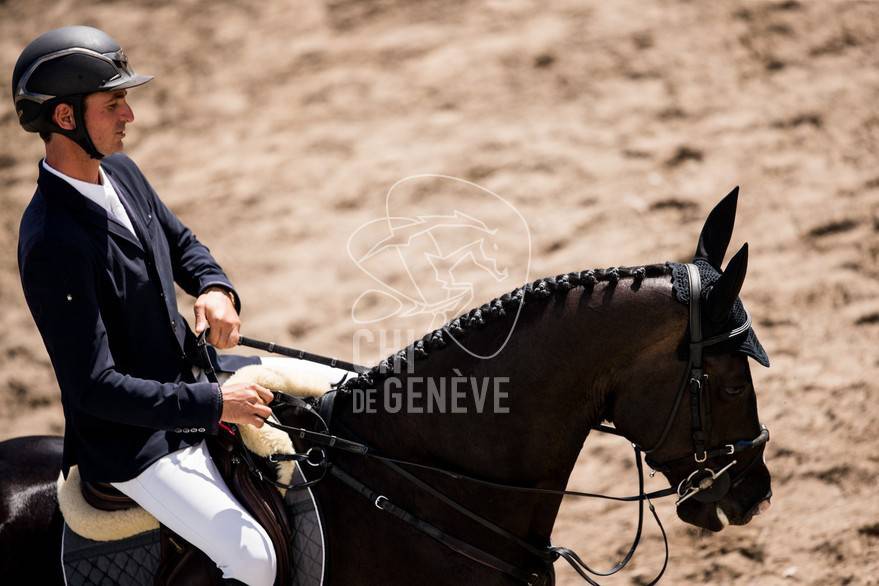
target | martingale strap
x=545, y=554
x=383, y=503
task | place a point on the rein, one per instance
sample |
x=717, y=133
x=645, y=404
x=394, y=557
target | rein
x=547, y=555
x=704, y=484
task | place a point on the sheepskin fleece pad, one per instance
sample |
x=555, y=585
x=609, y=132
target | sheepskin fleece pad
x=281, y=375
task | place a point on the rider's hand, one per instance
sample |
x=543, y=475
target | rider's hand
x=214, y=308
x=245, y=403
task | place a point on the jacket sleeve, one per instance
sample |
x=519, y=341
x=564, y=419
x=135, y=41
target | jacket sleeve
x=60, y=287
x=194, y=267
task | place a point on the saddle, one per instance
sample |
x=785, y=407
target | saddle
x=182, y=563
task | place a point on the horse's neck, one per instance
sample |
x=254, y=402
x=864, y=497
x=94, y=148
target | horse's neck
x=557, y=373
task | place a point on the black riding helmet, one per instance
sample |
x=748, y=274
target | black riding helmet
x=63, y=66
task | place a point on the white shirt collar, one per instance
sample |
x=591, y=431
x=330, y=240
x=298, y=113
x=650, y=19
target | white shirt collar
x=93, y=191
x=102, y=194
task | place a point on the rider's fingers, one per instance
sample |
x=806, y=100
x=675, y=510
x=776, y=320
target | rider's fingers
x=234, y=337
x=262, y=411
x=223, y=336
x=200, y=321
x=214, y=335
x=265, y=395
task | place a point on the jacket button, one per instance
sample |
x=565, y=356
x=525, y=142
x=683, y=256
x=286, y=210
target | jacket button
x=178, y=430
x=162, y=294
x=201, y=430
x=173, y=323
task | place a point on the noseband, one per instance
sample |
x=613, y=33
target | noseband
x=703, y=484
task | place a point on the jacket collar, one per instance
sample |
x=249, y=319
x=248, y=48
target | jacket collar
x=59, y=192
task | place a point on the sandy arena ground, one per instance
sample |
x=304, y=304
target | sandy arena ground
x=275, y=129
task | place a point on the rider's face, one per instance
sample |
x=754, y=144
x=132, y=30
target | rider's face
x=106, y=114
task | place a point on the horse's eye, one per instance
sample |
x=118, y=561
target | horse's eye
x=735, y=390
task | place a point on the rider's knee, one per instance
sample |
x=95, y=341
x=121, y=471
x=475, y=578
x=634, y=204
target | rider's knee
x=255, y=565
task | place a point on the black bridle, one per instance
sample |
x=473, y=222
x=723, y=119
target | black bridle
x=704, y=484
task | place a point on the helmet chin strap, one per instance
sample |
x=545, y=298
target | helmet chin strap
x=80, y=134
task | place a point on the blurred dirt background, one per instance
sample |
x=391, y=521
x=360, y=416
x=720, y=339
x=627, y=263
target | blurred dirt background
x=275, y=129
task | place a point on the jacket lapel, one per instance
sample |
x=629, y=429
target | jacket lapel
x=135, y=214
x=57, y=190
x=117, y=229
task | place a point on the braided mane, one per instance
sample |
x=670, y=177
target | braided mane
x=499, y=308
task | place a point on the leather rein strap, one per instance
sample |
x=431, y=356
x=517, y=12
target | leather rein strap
x=544, y=575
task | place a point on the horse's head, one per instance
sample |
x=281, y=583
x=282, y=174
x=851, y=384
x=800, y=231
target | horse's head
x=697, y=418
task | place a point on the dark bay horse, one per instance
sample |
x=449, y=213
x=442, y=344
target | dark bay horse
x=593, y=346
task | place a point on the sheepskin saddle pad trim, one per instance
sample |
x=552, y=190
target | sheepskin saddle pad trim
x=285, y=377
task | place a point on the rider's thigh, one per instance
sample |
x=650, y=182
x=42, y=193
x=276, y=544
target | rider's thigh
x=185, y=492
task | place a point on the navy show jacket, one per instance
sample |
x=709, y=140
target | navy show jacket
x=105, y=306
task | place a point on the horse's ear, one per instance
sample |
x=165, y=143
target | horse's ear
x=725, y=291
x=717, y=230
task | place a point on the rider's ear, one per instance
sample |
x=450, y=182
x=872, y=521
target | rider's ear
x=726, y=289
x=62, y=116
x=717, y=230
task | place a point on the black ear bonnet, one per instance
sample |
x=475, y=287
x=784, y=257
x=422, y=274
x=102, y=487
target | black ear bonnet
x=747, y=343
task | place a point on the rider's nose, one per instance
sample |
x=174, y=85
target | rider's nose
x=127, y=113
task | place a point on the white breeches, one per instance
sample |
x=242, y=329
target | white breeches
x=185, y=492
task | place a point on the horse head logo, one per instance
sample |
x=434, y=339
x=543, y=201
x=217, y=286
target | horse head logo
x=451, y=245
x=433, y=266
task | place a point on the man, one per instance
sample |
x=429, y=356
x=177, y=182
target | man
x=98, y=257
